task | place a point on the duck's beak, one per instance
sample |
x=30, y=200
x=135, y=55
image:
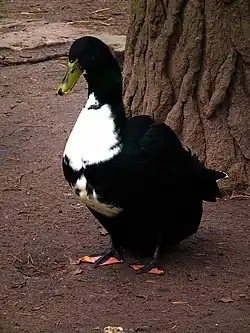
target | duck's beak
x=70, y=78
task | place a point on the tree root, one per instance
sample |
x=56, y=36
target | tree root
x=9, y=62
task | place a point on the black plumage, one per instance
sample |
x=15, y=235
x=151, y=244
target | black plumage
x=159, y=185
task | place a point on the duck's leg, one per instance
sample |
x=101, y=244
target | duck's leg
x=110, y=257
x=154, y=266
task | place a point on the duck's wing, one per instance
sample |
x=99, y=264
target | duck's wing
x=162, y=144
x=165, y=163
x=152, y=142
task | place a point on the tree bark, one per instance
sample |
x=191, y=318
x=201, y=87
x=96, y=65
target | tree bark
x=187, y=63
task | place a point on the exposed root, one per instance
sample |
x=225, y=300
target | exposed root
x=9, y=62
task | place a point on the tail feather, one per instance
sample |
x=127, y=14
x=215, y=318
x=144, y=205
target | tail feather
x=206, y=179
x=210, y=189
x=220, y=175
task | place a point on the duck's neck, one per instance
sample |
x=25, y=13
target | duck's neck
x=107, y=89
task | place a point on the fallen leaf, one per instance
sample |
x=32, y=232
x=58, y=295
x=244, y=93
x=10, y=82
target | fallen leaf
x=226, y=300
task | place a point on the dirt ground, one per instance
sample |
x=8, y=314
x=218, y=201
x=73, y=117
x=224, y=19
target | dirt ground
x=99, y=15
x=206, y=285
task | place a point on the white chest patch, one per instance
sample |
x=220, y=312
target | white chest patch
x=92, y=140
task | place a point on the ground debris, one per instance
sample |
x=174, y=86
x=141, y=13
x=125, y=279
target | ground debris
x=77, y=271
x=179, y=302
x=99, y=10
x=142, y=296
x=113, y=329
x=236, y=195
x=74, y=261
x=102, y=231
x=35, y=60
x=144, y=328
x=226, y=300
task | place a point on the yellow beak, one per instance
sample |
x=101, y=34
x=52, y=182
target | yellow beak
x=70, y=78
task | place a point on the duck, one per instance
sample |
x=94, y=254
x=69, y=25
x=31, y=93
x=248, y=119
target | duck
x=133, y=174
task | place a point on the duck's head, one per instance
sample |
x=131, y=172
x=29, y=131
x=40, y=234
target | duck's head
x=91, y=57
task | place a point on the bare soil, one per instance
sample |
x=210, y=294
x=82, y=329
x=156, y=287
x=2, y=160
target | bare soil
x=100, y=15
x=43, y=227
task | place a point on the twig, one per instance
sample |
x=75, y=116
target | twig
x=30, y=220
x=19, y=178
x=30, y=260
x=99, y=10
x=36, y=308
x=103, y=23
x=179, y=302
x=11, y=189
x=15, y=257
x=174, y=325
x=42, y=169
x=239, y=196
x=78, y=22
x=190, y=307
x=234, y=272
x=88, y=21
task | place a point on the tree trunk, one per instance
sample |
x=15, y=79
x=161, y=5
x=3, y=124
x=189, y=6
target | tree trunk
x=187, y=63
